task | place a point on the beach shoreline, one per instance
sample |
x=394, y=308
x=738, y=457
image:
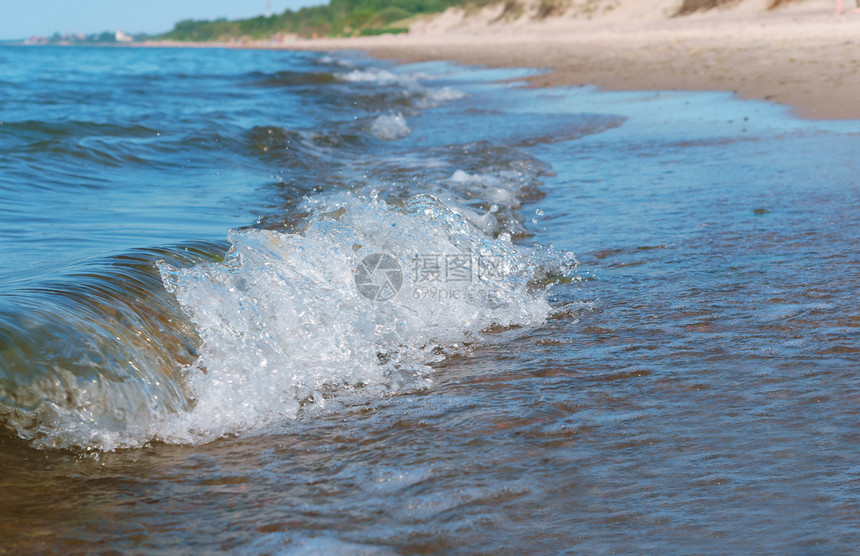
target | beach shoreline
x=803, y=55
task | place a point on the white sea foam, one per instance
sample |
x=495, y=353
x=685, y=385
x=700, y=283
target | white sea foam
x=374, y=76
x=390, y=127
x=436, y=97
x=487, y=187
x=334, y=61
x=283, y=323
x=428, y=97
x=286, y=319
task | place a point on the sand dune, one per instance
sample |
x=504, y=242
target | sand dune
x=803, y=54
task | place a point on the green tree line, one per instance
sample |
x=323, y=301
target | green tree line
x=339, y=17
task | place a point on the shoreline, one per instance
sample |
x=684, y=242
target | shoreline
x=802, y=56
x=787, y=77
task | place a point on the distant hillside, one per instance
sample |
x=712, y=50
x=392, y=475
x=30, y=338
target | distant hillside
x=338, y=18
x=347, y=18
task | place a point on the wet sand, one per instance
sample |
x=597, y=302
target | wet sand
x=803, y=55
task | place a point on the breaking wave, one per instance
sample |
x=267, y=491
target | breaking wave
x=377, y=260
x=278, y=322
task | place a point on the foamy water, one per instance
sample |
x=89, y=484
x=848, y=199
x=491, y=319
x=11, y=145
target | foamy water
x=282, y=321
x=390, y=127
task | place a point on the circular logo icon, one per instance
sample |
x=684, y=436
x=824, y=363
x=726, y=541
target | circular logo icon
x=378, y=277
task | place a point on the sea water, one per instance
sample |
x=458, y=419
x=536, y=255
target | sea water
x=268, y=301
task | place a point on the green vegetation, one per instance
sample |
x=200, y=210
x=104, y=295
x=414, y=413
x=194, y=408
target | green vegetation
x=384, y=31
x=349, y=18
x=338, y=18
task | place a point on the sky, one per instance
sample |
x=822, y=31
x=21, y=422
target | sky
x=20, y=19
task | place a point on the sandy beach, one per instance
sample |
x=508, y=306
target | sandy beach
x=802, y=55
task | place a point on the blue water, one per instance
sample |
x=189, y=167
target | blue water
x=618, y=322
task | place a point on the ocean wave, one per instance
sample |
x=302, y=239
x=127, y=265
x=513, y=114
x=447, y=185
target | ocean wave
x=287, y=78
x=377, y=76
x=38, y=134
x=284, y=321
x=404, y=90
x=190, y=343
x=95, y=358
x=305, y=148
x=390, y=127
x=430, y=98
x=279, y=322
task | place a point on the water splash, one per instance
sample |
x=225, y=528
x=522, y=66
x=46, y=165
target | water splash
x=282, y=322
x=390, y=127
x=210, y=345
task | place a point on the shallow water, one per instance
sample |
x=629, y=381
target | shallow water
x=689, y=386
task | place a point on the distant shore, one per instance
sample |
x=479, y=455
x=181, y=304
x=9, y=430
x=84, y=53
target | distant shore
x=802, y=55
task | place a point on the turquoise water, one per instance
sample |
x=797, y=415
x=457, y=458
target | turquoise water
x=267, y=302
